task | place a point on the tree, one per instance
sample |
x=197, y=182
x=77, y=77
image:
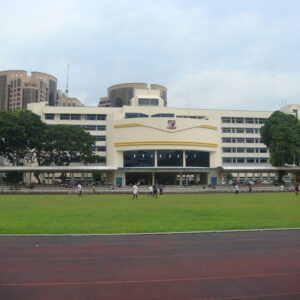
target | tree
x=21, y=131
x=281, y=134
x=66, y=144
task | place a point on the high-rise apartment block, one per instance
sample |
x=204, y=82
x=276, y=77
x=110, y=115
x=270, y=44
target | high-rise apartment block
x=17, y=89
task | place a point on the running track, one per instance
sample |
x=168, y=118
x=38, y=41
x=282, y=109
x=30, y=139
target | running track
x=228, y=265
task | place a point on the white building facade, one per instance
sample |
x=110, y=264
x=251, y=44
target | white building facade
x=149, y=143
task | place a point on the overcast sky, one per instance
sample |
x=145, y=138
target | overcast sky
x=229, y=54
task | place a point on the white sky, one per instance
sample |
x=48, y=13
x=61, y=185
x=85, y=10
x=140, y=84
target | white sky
x=229, y=54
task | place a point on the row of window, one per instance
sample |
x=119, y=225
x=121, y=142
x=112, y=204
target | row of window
x=129, y=115
x=147, y=101
x=165, y=158
x=241, y=140
x=246, y=160
x=239, y=130
x=100, y=137
x=244, y=150
x=243, y=120
x=93, y=117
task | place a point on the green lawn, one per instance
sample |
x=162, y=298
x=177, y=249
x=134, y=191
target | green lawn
x=46, y=214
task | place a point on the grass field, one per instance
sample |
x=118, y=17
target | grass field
x=57, y=214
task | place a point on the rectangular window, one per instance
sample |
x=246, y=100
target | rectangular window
x=250, y=160
x=249, y=140
x=249, y=130
x=227, y=150
x=226, y=130
x=263, y=150
x=148, y=101
x=239, y=130
x=75, y=117
x=226, y=120
x=65, y=116
x=100, y=137
x=91, y=117
x=49, y=116
x=226, y=140
x=101, y=127
x=261, y=121
x=239, y=120
x=263, y=160
x=101, y=148
x=240, y=150
x=240, y=140
x=90, y=127
x=250, y=150
x=240, y=160
x=101, y=117
x=249, y=121
x=226, y=160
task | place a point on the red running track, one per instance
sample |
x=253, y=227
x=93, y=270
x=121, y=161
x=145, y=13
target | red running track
x=229, y=265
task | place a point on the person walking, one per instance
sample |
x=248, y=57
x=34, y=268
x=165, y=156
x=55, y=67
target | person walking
x=160, y=189
x=135, y=189
x=79, y=189
x=296, y=189
x=150, y=191
x=236, y=189
x=154, y=191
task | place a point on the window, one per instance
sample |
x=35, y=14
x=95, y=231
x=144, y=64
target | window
x=101, y=148
x=141, y=158
x=100, y=137
x=239, y=120
x=197, y=158
x=49, y=116
x=240, y=150
x=90, y=127
x=101, y=159
x=263, y=160
x=239, y=130
x=249, y=140
x=226, y=130
x=250, y=160
x=135, y=115
x=101, y=117
x=226, y=120
x=250, y=150
x=65, y=116
x=249, y=121
x=227, y=150
x=148, y=101
x=75, y=117
x=169, y=158
x=91, y=117
x=101, y=127
x=263, y=150
x=249, y=130
x=240, y=140
x=226, y=160
x=163, y=116
x=226, y=140
x=240, y=160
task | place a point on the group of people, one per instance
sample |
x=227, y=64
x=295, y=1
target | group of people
x=153, y=190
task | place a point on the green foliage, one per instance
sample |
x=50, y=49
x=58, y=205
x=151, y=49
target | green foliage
x=42, y=214
x=281, y=133
x=228, y=176
x=97, y=176
x=21, y=131
x=24, y=137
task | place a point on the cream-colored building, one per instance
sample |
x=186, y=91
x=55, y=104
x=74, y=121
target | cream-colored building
x=150, y=143
x=18, y=89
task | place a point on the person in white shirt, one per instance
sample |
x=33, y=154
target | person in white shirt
x=79, y=189
x=151, y=191
x=135, y=189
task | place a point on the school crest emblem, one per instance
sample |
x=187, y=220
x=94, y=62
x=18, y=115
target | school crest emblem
x=171, y=124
